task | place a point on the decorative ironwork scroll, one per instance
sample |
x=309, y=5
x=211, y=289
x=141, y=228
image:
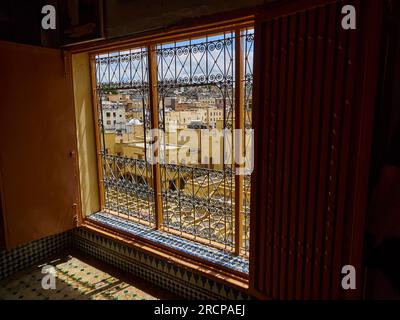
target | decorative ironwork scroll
x=198, y=201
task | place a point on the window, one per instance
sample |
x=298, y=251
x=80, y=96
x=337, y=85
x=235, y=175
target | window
x=203, y=190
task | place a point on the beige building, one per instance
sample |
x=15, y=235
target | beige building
x=181, y=119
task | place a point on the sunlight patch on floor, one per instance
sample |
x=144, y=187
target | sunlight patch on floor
x=75, y=280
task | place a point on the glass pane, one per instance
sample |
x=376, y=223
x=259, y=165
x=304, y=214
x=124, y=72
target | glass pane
x=124, y=120
x=196, y=81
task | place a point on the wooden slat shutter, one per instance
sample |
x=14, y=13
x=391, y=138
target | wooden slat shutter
x=314, y=93
x=38, y=164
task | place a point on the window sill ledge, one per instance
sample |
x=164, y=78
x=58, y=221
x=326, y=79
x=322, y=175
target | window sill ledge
x=234, y=278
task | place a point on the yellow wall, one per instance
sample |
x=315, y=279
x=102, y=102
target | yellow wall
x=85, y=134
x=131, y=151
x=109, y=139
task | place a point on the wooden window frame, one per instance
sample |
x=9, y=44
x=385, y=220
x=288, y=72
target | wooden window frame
x=220, y=273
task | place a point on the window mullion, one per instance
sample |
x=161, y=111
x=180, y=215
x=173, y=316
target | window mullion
x=153, y=100
x=238, y=143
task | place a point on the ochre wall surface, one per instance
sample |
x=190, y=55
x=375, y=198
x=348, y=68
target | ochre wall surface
x=85, y=125
x=37, y=143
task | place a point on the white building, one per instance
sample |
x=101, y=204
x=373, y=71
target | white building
x=207, y=100
x=181, y=119
x=132, y=124
x=113, y=116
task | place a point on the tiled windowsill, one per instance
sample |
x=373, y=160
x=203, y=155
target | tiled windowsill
x=212, y=255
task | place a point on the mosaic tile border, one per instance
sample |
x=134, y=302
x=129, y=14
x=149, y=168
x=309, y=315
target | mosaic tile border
x=21, y=257
x=158, y=271
x=183, y=282
x=213, y=255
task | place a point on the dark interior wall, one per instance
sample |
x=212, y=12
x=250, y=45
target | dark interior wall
x=383, y=214
x=20, y=20
x=2, y=236
x=387, y=117
x=124, y=17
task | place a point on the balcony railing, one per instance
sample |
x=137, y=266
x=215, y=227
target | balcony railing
x=198, y=203
x=127, y=187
